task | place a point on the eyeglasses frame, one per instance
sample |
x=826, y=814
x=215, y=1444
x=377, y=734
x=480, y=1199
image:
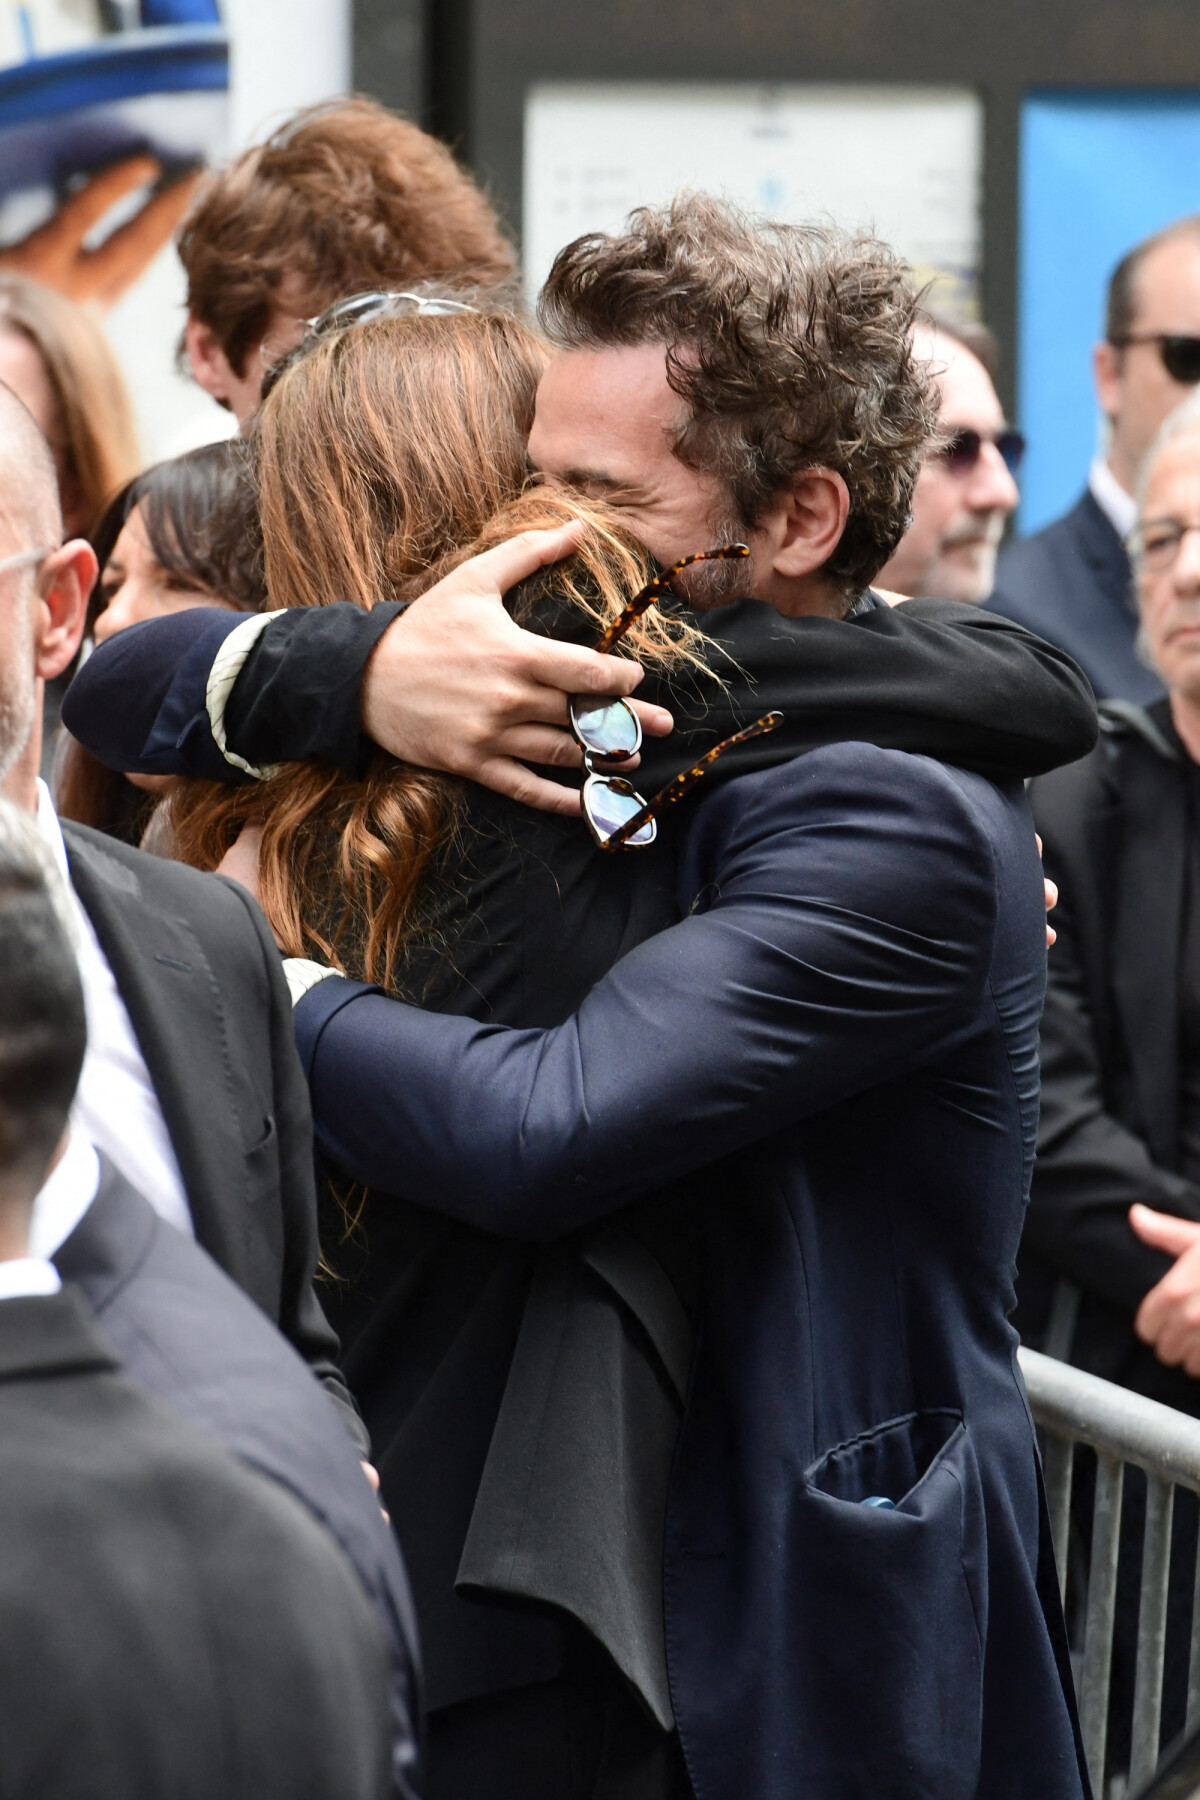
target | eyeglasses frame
x=1160, y=340
x=1008, y=434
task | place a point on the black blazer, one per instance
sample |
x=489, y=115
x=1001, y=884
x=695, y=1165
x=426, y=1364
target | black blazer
x=199, y=973
x=1072, y=584
x=170, y=1622
x=820, y=1090
x=1115, y=828
x=194, y=1341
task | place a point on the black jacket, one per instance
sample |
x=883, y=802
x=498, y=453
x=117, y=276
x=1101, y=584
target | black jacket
x=1072, y=584
x=170, y=1623
x=431, y=1315
x=200, y=1347
x=1115, y=828
x=199, y=974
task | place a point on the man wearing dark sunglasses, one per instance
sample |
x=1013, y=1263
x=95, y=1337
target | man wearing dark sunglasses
x=1072, y=582
x=967, y=487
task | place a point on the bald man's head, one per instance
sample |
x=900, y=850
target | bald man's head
x=30, y=515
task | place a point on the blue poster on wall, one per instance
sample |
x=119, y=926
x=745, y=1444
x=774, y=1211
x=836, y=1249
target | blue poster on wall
x=1099, y=171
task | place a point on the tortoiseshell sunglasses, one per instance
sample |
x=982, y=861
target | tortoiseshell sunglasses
x=609, y=732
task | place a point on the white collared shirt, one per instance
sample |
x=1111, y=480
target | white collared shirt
x=22, y=1275
x=64, y=1196
x=1118, y=507
x=116, y=1107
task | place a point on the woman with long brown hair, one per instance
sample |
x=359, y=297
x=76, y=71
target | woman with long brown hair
x=385, y=454
x=379, y=876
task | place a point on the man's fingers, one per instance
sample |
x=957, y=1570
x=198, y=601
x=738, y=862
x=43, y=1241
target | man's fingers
x=543, y=744
x=519, y=783
x=656, y=720
x=1162, y=1231
x=510, y=563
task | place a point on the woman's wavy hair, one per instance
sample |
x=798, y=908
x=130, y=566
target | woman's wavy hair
x=386, y=456
x=790, y=346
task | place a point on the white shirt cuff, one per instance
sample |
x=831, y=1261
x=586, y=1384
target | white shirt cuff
x=227, y=666
x=302, y=975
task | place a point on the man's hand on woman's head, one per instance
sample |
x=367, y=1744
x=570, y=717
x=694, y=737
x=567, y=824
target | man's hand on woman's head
x=453, y=684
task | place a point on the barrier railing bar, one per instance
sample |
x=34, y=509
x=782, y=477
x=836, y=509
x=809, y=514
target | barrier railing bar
x=1101, y=1605
x=1070, y=1403
x=1193, y=1696
x=1152, y=1629
x=1058, y=1464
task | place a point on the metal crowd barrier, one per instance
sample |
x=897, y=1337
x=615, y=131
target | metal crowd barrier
x=1072, y=1408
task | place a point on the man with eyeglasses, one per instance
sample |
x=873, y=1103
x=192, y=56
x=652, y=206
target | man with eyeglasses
x=967, y=487
x=1110, y=1259
x=1072, y=581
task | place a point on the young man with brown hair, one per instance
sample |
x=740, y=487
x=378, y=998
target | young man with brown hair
x=343, y=198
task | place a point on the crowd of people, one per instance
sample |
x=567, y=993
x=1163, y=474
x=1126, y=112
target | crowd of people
x=521, y=971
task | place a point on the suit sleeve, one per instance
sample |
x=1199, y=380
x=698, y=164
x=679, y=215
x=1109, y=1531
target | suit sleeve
x=139, y=703
x=930, y=677
x=850, y=912
x=300, y=1316
x=1090, y=1169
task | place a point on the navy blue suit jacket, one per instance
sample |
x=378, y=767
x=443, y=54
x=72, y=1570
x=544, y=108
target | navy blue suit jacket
x=1072, y=584
x=198, y=1345
x=824, y=1081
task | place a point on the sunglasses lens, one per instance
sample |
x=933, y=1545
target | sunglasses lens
x=1181, y=359
x=609, y=804
x=962, y=452
x=1011, y=446
x=606, y=728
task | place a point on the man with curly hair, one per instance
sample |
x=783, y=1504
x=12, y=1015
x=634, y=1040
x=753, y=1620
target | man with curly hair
x=759, y=1514
x=343, y=198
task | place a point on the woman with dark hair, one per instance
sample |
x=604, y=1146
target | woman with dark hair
x=184, y=533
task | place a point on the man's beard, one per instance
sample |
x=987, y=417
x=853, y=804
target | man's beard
x=707, y=585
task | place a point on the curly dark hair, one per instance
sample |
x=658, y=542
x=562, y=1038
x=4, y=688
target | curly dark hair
x=790, y=344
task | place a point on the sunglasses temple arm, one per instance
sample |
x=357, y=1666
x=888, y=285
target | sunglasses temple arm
x=661, y=585
x=679, y=785
x=637, y=606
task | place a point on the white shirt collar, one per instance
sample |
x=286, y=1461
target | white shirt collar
x=1118, y=507
x=23, y=1275
x=50, y=832
x=64, y=1196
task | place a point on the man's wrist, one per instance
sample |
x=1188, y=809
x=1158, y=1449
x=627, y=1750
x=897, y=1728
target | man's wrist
x=297, y=696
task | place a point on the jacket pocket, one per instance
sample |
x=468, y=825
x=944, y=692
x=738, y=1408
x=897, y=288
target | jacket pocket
x=892, y=1599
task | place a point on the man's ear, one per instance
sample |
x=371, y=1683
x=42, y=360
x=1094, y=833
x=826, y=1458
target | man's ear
x=1108, y=366
x=809, y=523
x=65, y=583
x=209, y=364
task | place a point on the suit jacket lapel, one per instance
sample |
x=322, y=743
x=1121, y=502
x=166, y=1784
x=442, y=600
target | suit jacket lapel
x=1152, y=861
x=176, y=1011
x=1104, y=553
